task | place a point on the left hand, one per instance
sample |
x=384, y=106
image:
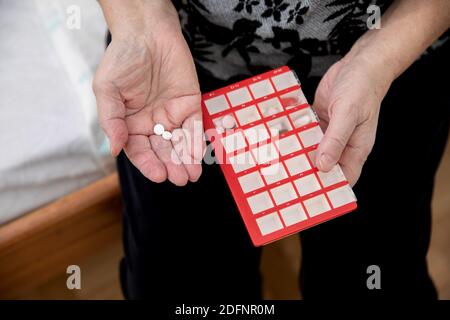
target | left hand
x=147, y=76
x=347, y=102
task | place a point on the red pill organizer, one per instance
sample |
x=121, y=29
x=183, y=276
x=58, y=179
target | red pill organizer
x=264, y=135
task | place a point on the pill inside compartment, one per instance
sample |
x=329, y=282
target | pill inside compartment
x=293, y=99
x=225, y=123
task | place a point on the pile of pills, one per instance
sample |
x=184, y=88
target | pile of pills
x=159, y=130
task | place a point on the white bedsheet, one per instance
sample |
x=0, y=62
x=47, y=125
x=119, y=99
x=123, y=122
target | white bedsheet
x=50, y=143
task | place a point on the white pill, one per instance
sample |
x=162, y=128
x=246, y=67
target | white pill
x=167, y=135
x=158, y=129
x=228, y=122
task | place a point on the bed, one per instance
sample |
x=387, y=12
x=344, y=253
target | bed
x=50, y=140
x=59, y=195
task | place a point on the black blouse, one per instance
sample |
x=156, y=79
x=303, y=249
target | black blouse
x=230, y=37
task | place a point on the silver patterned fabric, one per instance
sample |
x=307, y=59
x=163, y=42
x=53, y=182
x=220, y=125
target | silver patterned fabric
x=243, y=37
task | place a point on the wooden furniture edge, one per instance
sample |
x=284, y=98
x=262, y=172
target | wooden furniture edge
x=58, y=211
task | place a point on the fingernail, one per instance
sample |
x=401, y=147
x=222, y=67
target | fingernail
x=109, y=146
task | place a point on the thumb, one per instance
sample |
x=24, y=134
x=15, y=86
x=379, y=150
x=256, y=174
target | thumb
x=111, y=114
x=341, y=126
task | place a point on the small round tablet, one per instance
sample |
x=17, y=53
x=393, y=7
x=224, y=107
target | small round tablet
x=158, y=129
x=167, y=135
x=228, y=122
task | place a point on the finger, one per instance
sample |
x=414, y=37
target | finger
x=321, y=111
x=189, y=144
x=323, y=119
x=138, y=149
x=323, y=124
x=111, y=114
x=351, y=163
x=180, y=146
x=356, y=152
x=320, y=104
x=340, y=128
x=193, y=128
x=176, y=172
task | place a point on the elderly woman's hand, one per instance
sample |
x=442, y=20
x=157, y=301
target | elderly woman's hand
x=349, y=96
x=347, y=102
x=147, y=77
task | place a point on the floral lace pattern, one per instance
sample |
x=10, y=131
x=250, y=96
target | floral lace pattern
x=249, y=36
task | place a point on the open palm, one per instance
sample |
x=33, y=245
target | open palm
x=141, y=82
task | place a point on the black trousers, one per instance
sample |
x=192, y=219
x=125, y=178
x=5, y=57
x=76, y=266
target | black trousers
x=190, y=243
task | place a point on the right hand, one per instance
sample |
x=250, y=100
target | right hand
x=147, y=76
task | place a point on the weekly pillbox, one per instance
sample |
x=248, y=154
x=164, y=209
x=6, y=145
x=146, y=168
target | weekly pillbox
x=264, y=135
